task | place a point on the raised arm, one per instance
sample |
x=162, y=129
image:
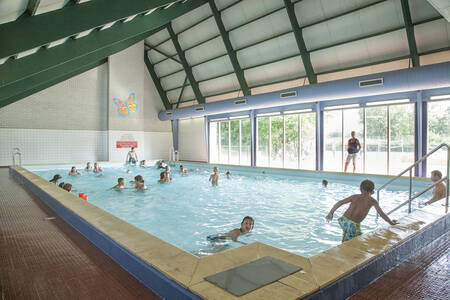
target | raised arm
x=338, y=204
x=383, y=215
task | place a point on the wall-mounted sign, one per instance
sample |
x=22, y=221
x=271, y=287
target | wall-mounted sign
x=126, y=144
x=124, y=108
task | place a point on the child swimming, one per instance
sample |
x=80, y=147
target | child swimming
x=228, y=175
x=246, y=226
x=214, y=178
x=120, y=184
x=183, y=171
x=55, y=178
x=97, y=168
x=88, y=166
x=141, y=185
x=74, y=171
x=143, y=163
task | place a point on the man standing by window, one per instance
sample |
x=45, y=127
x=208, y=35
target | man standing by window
x=353, y=147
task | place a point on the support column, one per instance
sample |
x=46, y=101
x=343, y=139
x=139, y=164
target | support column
x=420, y=134
x=253, y=130
x=175, y=134
x=319, y=137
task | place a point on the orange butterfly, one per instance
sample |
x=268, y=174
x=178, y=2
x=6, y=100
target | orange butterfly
x=129, y=106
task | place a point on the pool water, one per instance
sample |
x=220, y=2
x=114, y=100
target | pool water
x=289, y=212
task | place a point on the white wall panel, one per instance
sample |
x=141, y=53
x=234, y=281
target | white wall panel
x=157, y=145
x=43, y=146
x=192, y=140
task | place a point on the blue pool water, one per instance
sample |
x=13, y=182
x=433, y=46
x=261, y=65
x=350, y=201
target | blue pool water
x=289, y=212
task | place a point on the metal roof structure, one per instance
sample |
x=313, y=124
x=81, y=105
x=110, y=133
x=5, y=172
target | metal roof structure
x=200, y=51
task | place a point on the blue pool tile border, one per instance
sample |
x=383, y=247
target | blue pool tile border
x=149, y=276
x=363, y=276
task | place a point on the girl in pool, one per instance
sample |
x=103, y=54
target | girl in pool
x=246, y=226
x=88, y=166
x=74, y=171
x=55, y=178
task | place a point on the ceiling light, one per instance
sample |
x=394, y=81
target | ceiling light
x=288, y=112
x=239, y=117
x=268, y=114
x=440, y=97
x=341, y=106
x=387, y=102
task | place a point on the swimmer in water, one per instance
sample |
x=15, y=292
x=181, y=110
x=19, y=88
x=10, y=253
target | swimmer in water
x=214, y=178
x=246, y=226
x=120, y=184
x=74, y=171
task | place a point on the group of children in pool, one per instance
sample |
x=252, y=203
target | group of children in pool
x=360, y=204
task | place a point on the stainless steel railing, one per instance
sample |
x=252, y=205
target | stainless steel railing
x=410, y=168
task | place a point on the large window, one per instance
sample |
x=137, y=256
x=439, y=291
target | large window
x=287, y=141
x=230, y=142
x=386, y=135
x=438, y=132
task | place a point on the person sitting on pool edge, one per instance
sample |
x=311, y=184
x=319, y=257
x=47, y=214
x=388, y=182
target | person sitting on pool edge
x=132, y=157
x=74, y=171
x=246, y=226
x=120, y=184
x=55, y=178
x=214, y=178
x=439, y=191
x=360, y=204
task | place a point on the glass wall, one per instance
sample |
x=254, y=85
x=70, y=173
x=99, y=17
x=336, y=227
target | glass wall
x=332, y=139
x=262, y=142
x=438, y=132
x=401, y=138
x=376, y=155
x=230, y=142
x=287, y=141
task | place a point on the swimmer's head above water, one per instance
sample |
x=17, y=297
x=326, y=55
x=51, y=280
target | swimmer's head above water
x=247, y=224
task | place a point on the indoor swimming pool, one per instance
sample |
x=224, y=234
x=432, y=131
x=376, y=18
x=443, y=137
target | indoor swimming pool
x=289, y=211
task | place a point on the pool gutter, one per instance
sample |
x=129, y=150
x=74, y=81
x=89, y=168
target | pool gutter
x=176, y=274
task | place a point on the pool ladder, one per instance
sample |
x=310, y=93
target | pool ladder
x=410, y=168
x=16, y=153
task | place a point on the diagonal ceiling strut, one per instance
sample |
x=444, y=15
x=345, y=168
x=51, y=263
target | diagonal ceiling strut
x=312, y=77
x=410, y=34
x=185, y=64
x=231, y=53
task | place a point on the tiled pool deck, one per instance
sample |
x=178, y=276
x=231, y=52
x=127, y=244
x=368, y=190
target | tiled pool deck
x=48, y=259
x=324, y=275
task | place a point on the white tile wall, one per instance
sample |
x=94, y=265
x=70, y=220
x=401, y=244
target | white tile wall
x=53, y=146
x=192, y=139
x=158, y=145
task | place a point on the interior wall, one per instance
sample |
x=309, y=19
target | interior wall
x=192, y=139
x=66, y=122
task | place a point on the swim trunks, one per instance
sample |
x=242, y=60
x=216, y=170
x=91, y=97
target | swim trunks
x=216, y=238
x=132, y=160
x=351, y=229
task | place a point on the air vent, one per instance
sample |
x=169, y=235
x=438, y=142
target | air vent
x=371, y=82
x=288, y=94
x=200, y=108
x=239, y=102
x=168, y=113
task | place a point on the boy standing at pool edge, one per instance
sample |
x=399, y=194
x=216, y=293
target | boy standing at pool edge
x=360, y=205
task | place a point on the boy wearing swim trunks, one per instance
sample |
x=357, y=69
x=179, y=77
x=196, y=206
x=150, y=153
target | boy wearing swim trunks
x=359, y=208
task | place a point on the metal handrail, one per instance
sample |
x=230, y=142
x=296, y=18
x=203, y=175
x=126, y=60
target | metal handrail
x=410, y=198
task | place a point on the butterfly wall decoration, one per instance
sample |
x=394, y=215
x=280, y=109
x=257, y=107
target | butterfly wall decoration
x=124, y=108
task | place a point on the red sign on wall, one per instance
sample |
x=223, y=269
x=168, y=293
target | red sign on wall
x=126, y=144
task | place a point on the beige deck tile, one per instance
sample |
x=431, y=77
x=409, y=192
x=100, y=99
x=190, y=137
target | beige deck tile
x=330, y=266
x=243, y=254
x=209, y=291
x=213, y=264
x=275, y=290
x=376, y=242
x=295, y=281
x=297, y=260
